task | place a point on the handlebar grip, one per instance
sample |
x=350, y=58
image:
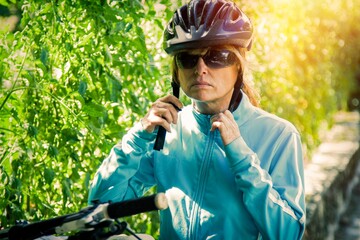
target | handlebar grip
x=136, y=206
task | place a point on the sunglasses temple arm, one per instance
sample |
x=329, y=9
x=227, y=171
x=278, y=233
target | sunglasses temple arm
x=161, y=134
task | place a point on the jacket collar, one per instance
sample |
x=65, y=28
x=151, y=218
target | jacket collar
x=242, y=114
x=244, y=111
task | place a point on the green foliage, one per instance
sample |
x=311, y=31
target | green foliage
x=80, y=73
x=306, y=56
x=73, y=81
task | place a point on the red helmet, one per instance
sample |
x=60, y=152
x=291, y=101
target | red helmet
x=205, y=23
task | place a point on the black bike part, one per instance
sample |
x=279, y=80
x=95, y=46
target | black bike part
x=100, y=231
x=42, y=228
x=136, y=206
x=4, y=234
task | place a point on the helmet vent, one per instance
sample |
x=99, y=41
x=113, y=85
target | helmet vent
x=204, y=23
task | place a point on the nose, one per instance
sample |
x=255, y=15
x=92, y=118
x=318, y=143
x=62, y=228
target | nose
x=201, y=67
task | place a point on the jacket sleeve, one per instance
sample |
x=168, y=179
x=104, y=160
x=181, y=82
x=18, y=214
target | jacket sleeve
x=120, y=176
x=274, y=197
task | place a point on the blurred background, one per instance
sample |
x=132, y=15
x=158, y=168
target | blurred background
x=76, y=75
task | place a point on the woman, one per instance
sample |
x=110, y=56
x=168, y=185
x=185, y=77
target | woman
x=229, y=169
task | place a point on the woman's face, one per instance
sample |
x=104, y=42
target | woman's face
x=210, y=82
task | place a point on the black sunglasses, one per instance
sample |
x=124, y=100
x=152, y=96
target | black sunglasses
x=212, y=58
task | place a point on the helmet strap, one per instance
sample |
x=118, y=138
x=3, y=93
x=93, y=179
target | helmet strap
x=175, y=88
x=237, y=94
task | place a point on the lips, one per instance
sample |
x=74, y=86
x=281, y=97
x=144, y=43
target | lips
x=200, y=83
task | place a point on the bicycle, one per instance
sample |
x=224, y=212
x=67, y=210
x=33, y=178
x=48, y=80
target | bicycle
x=97, y=222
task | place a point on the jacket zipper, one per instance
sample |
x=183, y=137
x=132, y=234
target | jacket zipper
x=200, y=190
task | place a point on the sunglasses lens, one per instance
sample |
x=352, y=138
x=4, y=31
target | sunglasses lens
x=219, y=59
x=212, y=59
x=186, y=61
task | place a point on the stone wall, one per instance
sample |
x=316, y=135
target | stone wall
x=331, y=175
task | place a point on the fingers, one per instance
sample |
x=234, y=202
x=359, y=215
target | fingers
x=223, y=120
x=173, y=101
x=163, y=112
x=166, y=111
x=227, y=126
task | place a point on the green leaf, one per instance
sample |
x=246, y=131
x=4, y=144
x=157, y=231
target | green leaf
x=70, y=134
x=75, y=175
x=4, y=3
x=128, y=27
x=4, y=177
x=87, y=180
x=66, y=189
x=49, y=175
x=82, y=88
x=94, y=110
x=32, y=131
x=44, y=57
x=53, y=151
x=85, y=40
x=75, y=156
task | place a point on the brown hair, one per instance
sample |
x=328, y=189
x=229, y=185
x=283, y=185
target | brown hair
x=244, y=70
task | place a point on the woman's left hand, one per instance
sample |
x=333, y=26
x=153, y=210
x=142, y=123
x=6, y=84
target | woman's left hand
x=227, y=126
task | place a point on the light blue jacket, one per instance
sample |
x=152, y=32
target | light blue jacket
x=252, y=188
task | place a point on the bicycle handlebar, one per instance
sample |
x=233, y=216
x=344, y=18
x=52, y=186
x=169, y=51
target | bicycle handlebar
x=88, y=218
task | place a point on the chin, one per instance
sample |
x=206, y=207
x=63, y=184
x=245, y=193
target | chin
x=200, y=99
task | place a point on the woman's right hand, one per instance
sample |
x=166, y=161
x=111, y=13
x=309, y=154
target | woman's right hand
x=163, y=112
